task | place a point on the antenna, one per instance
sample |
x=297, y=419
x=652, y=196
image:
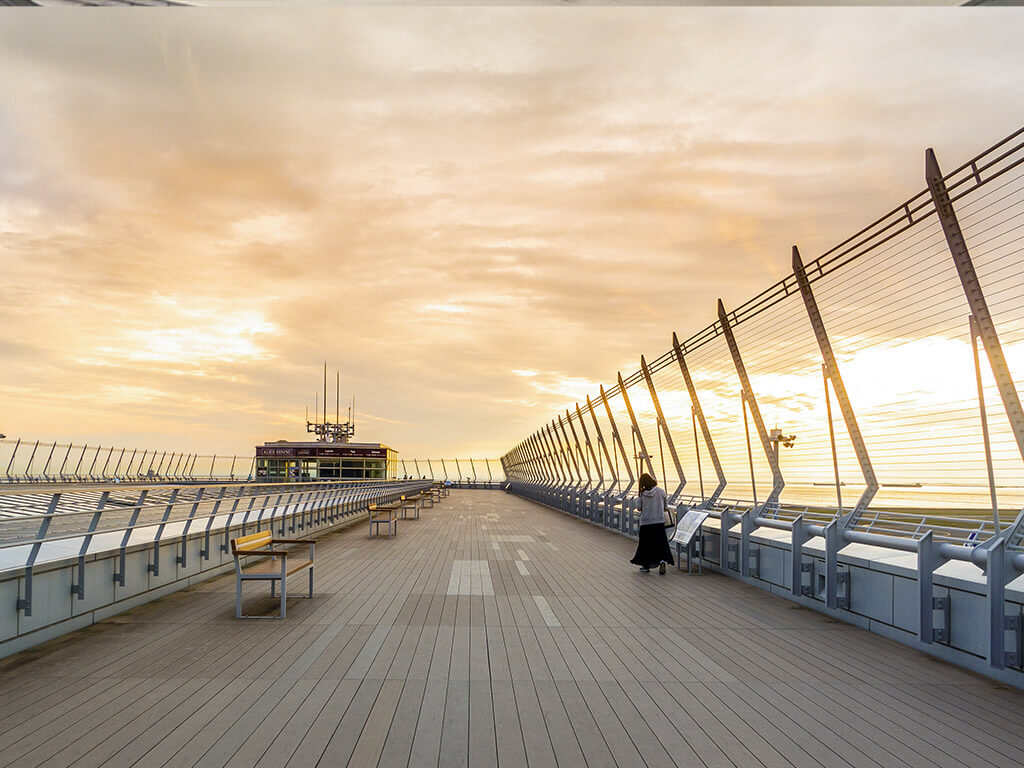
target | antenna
x=337, y=404
x=325, y=397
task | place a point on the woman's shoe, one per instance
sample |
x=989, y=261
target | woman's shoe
x=645, y=569
x=661, y=568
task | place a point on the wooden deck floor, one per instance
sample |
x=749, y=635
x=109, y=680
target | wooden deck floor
x=494, y=632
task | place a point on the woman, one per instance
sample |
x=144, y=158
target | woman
x=652, y=549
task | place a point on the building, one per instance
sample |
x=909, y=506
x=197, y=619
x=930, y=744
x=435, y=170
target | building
x=283, y=460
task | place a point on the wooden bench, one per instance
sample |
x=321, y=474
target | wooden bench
x=384, y=514
x=277, y=568
x=411, y=503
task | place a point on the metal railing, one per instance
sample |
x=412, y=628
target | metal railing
x=849, y=401
x=122, y=517
x=36, y=461
x=461, y=473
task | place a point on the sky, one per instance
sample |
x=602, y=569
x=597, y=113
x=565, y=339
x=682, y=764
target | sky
x=477, y=215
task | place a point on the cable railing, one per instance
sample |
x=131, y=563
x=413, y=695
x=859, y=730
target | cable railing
x=871, y=396
x=38, y=461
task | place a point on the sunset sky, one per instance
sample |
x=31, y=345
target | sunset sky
x=478, y=215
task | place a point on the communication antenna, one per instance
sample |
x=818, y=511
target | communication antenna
x=337, y=404
x=325, y=397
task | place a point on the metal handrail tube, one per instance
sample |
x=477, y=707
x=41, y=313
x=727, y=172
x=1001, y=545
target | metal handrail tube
x=163, y=505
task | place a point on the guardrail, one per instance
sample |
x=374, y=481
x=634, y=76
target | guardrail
x=40, y=462
x=98, y=547
x=37, y=461
x=888, y=329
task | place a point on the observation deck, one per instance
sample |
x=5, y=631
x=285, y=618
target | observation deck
x=495, y=631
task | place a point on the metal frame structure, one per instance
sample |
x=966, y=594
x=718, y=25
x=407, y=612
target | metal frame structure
x=996, y=550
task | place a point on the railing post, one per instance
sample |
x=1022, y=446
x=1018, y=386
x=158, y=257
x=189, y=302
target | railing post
x=845, y=406
x=831, y=564
x=25, y=603
x=81, y=458
x=777, y=482
x=136, y=510
x=94, y=459
x=11, y=462
x=995, y=577
x=64, y=463
x=106, y=463
x=798, y=537
x=49, y=457
x=28, y=467
x=120, y=458
x=154, y=567
x=79, y=588
x=182, y=558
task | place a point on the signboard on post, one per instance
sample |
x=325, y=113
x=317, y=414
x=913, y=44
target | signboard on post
x=688, y=525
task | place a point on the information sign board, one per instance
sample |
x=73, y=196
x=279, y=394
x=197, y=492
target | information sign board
x=688, y=525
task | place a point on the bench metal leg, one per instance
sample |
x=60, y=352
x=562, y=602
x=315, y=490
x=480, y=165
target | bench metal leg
x=284, y=595
x=311, y=581
x=238, y=600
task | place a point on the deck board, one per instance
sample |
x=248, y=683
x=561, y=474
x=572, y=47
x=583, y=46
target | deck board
x=405, y=656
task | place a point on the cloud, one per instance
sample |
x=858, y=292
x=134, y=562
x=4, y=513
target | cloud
x=435, y=214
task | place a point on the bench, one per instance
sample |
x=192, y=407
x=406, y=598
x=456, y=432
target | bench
x=384, y=514
x=277, y=568
x=412, y=503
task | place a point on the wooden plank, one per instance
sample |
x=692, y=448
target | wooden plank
x=540, y=752
x=426, y=744
x=383, y=668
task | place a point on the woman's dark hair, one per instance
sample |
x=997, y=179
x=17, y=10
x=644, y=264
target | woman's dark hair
x=647, y=482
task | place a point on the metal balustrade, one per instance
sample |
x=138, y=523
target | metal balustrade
x=36, y=461
x=39, y=462
x=36, y=527
x=869, y=397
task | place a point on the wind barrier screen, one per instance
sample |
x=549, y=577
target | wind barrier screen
x=910, y=320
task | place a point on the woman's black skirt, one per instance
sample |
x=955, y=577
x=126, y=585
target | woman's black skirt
x=652, y=547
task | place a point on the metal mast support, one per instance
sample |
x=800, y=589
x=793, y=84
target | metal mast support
x=599, y=487
x=845, y=406
x=976, y=300
x=636, y=428
x=664, y=428
x=777, y=482
x=617, y=439
x=639, y=439
x=747, y=521
x=699, y=414
x=613, y=482
x=999, y=570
